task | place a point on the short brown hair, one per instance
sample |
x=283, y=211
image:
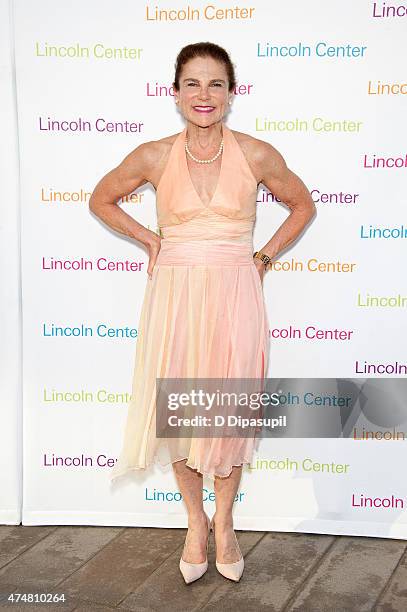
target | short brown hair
x=204, y=49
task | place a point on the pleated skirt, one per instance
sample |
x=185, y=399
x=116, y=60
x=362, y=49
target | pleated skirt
x=203, y=315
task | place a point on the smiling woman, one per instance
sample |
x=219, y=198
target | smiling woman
x=203, y=315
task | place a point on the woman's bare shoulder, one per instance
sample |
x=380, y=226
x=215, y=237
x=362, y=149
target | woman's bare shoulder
x=257, y=151
x=251, y=145
x=152, y=156
x=161, y=145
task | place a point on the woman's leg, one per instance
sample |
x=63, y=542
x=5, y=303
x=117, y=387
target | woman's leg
x=227, y=547
x=190, y=485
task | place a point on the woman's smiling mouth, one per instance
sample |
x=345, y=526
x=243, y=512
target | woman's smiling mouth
x=204, y=109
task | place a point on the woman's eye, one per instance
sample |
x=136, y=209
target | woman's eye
x=215, y=84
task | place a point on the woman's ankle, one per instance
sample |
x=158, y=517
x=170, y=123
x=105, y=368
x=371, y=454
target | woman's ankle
x=223, y=521
x=197, y=518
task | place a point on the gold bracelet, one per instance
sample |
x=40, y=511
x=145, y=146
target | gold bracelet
x=264, y=258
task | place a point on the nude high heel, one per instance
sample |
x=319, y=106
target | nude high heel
x=233, y=571
x=193, y=571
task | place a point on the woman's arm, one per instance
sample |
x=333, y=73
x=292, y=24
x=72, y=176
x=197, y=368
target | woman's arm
x=131, y=173
x=287, y=187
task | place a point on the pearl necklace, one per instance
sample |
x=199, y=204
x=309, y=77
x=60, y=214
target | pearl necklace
x=204, y=161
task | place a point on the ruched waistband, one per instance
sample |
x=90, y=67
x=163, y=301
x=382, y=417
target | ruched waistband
x=209, y=225
x=205, y=253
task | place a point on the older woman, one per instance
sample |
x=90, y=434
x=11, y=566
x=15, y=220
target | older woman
x=203, y=313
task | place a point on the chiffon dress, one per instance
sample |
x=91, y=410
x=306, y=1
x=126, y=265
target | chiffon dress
x=203, y=313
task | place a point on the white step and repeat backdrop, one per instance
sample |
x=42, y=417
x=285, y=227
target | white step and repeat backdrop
x=10, y=286
x=325, y=83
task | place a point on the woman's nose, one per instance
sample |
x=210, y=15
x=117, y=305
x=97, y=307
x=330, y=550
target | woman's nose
x=204, y=94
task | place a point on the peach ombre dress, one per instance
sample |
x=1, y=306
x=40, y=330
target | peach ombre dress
x=203, y=313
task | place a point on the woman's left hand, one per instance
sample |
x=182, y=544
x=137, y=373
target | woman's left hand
x=261, y=268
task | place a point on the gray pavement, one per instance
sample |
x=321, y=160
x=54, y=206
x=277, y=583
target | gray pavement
x=135, y=568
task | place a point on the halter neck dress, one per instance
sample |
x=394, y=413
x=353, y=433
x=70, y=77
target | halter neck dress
x=203, y=313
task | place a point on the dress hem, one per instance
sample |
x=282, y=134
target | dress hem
x=126, y=470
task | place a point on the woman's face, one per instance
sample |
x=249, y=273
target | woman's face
x=203, y=83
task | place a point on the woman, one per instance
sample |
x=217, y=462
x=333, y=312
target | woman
x=203, y=313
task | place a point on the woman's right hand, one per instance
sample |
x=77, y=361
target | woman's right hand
x=261, y=268
x=153, y=247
